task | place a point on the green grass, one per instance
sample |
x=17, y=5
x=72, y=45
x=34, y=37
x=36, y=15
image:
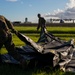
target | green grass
x=50, y=29
x=32, y=28
x=65, y=33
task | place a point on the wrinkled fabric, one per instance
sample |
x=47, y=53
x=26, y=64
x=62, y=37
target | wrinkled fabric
x=55, y=52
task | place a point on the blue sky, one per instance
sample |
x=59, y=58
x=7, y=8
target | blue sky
x=17, y=10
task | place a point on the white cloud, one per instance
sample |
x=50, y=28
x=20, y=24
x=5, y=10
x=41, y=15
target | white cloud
x=67, y=13
x=71, y=4
x=12, y=0
x=20, y=1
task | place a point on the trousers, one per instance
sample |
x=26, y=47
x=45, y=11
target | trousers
x=9, y=45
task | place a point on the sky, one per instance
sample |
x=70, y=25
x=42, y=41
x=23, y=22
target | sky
x=18, y=10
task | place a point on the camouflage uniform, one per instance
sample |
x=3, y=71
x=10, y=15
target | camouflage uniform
x=6, y=38
x=41, y=23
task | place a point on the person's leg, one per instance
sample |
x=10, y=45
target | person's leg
x=10, y=46
x=1, y=44
x=42, y=37
x=2, y=40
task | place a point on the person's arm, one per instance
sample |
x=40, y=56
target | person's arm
x=38, y=25
x=9, y=24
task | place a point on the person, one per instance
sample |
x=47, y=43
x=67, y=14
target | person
x=41, y=23
x=6, y=39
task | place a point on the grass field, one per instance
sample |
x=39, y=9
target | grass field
x=65, y=33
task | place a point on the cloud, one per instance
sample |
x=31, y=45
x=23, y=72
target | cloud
x=67, y=13
x=16, y=1
x=12, y=0
x=71, y=4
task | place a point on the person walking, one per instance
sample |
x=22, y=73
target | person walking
x=41, y=23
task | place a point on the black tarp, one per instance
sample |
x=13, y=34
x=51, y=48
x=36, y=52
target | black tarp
x=48, y=50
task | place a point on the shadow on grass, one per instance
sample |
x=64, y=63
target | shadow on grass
x=11, y=69
x=69, y=73
x=59, y=32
